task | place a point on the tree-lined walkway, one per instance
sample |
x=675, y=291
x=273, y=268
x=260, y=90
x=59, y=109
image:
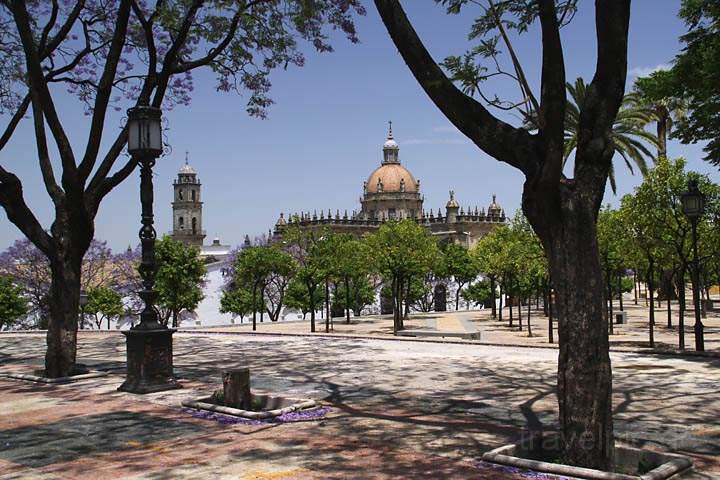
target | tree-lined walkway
x=399, y=409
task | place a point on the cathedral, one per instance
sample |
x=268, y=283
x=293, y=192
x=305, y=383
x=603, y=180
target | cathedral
x=392, y=192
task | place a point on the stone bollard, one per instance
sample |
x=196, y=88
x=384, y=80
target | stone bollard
x=236, y=388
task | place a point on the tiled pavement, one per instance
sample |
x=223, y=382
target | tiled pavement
x=398, y=410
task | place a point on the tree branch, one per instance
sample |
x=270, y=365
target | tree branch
x=104, y=90
x=604, y=94
x=13, y=123
x=39, y=92
x=11, y=199
x=504, y=142
x=551, y=116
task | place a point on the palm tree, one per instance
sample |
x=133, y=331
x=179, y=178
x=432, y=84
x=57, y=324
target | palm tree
x=628, y=133
x=654, y=91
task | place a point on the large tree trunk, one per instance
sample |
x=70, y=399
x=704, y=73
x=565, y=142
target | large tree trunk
x=584, y=372
x=64, y=308
x=681, y=308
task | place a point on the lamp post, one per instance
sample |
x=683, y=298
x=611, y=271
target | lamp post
x=693, y=205
x=149, y=343
x=83, y=301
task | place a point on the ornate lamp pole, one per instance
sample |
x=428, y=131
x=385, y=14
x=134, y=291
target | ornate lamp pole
x=149, y=343
x=693, y=205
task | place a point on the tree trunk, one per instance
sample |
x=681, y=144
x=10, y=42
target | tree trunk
x=492, y=297
x=457, y=296
x=651, y=289
x=519, y=305
x=406, y=314
x=174, y=319
x=681, y=309
x=510, y=309
x=262, y=303
x=327, y=305
x=347, y=299
x=311, y=292
x=64, y=307
x=500, y=304
x=635, y=285
x=610, y=303
x=584, y=371
x=669, y=313
x=529, y=326
x=254, y=306
x=620, y=292
x=662, y=131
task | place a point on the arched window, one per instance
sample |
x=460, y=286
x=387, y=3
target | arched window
x=181, y=222
x=180, y=195
x=192, y=195
x=194, y=225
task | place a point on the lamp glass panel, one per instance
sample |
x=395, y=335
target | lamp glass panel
x=133, y=135
x=155, y=134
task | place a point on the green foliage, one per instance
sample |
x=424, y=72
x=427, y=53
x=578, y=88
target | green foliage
x=13, y=305
x=103, y=303
x=239, y=301
x=362, y=293
x=402, y=251
x=460, y=265
x=179, y=278
x=297, y=296
x=695, y=77
x=478, y=293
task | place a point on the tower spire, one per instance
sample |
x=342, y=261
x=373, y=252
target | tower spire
x=390, y=148
x=186, y=157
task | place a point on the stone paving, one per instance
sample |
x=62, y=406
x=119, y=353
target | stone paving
x=632, y=336
x=398, y=410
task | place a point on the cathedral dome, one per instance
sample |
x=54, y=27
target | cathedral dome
x=391, y=178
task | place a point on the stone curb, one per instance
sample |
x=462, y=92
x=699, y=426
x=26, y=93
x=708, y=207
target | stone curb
x=190, y=331
x=53, y=381
x=673, y=466
x=237, y=412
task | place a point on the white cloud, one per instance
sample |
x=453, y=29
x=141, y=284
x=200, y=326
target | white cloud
x=645, y=71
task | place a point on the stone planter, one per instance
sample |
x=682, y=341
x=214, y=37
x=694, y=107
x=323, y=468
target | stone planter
x=268, y=406
x=81, y=373
x=631, y=463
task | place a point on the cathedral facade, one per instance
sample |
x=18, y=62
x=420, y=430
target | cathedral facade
x=391, y=192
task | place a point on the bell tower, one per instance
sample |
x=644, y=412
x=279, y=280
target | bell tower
x=187, y=207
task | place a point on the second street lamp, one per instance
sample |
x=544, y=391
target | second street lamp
x=693, y=205
x=149, y=343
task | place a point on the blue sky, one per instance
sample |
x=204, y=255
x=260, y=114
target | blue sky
x=323, y=136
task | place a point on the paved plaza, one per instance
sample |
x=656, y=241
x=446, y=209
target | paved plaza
x=396, y=409
x=632, y=336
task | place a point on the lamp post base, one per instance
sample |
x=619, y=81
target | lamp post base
x=149, y=361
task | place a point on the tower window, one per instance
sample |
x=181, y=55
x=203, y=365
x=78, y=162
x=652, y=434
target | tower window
x=194, y=225
x=180, y=195
x=192, y=195
x=181, y=222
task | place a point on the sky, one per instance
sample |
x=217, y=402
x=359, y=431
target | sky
x=324, y=134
